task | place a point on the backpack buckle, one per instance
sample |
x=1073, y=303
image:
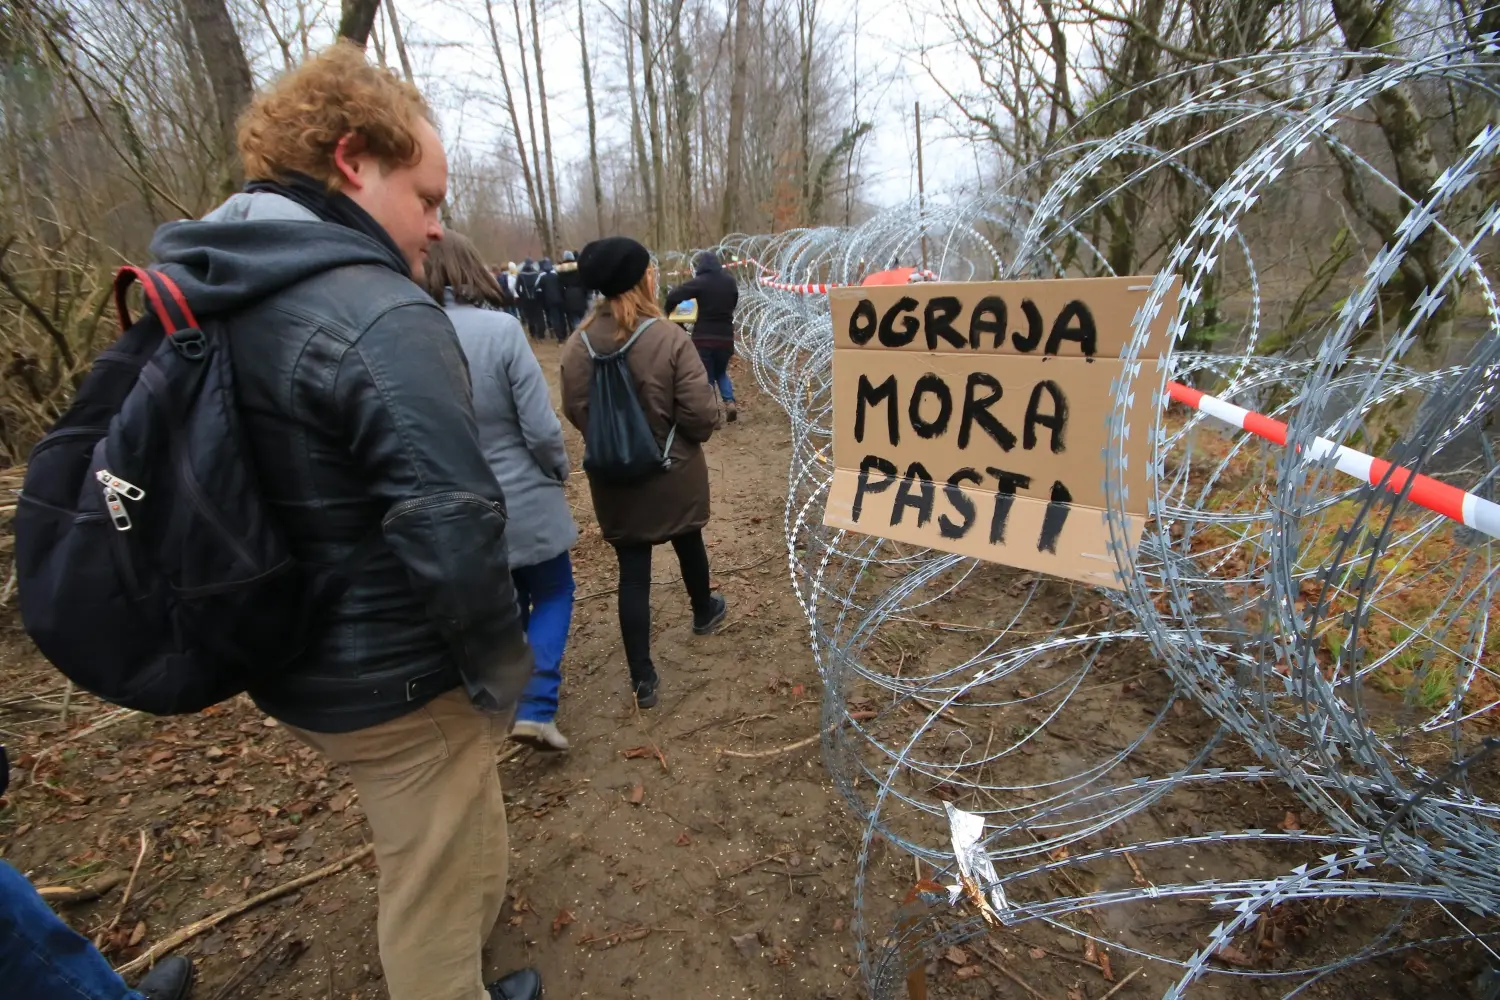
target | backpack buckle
x=190, y=343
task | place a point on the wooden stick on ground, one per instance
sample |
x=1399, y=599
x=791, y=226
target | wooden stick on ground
x=1121, y=984
x=1015, y=978
x=761, y=754
x=129, y=888
x=181, y=937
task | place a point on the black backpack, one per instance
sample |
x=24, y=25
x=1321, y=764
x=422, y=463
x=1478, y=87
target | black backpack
x=151, y=571
x=528, y=284
x=619, y=447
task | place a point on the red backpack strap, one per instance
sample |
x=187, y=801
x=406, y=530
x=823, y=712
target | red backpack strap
x=162, y=295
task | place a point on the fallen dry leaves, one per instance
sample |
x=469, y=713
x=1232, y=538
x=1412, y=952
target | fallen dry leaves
x=561, y=922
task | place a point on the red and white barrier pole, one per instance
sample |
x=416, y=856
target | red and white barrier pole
x=1474, y=511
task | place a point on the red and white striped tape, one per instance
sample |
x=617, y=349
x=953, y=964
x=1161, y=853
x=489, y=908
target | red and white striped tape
x=1474, y=511
x=799, y=289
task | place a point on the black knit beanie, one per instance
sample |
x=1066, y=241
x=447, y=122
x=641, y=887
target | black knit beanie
x=613, y=266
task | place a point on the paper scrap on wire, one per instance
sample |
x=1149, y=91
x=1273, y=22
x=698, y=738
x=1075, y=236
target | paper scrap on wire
x=975, y=869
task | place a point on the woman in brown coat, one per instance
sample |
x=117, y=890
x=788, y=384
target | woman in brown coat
x=668, y=506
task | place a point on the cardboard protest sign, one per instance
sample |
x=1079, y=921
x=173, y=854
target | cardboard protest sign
x=973, y=417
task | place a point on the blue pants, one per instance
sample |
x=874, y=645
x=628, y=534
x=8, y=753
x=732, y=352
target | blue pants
x=43, y=958
x=716, y=361
x=545, y=593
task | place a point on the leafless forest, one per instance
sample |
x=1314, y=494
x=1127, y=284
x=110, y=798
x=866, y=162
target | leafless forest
x=742, y=116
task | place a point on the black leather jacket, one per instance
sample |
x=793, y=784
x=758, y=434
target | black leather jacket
x=356, y=400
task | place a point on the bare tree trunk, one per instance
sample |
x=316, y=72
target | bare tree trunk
x=1139, y=58
x=807, y=16
x=305, y=27
x=735, y=154
x=390, y=15
x=682, y=103
x=1368, y=26
x=228, y=71
x=282, y=42
x=642, y=172
x=536, y=147
x=1061, y=99
x=356, y=18
x=588, y=98
x=653, y=123
x=515, y=121
x=550, y=237
x=854, y=123
x=377, y=41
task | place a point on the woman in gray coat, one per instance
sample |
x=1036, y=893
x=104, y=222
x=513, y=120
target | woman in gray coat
x=523, y=441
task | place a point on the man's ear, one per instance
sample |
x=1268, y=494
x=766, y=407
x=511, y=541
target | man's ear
x=346, y=160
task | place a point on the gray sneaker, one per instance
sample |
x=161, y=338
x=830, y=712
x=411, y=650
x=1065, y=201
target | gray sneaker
x=539, y=736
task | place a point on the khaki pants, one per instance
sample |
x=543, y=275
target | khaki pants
x=430, y=786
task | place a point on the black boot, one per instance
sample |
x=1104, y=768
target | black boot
x=523, y=985
x=645, y=691
x=711, y=620
x=170, y=979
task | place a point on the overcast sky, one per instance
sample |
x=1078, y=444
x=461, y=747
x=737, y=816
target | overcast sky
x=449, y=46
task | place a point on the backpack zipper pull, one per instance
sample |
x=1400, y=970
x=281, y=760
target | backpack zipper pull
x=113, y=482
x=116, y=508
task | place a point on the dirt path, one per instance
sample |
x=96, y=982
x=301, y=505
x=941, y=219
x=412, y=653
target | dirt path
x=632, y=874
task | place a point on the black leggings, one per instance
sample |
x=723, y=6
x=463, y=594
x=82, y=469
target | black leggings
x=635, y=596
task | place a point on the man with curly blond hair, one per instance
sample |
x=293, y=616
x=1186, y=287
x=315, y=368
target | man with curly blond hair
x=356, y=400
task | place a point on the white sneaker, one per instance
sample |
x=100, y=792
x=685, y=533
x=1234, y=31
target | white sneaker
x=539, y=735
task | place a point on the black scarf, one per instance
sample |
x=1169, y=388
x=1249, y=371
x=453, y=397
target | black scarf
x=337, y=208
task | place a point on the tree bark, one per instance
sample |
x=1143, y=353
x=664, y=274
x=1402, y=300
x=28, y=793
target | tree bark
x=390, y=15
x=807, y=16
x=551, y=235
x=515, y=121
x=228, y=73
x=588, y=98
x=282, y=42
x=356, y=18
x=536, y=147
x=642, y=171
x=1366, y=26
x=682, y=104
x=735, y=153
x=1061, y=98
x=653, y=124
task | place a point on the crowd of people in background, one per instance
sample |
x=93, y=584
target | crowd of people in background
x=397, y=413
x=549, y=301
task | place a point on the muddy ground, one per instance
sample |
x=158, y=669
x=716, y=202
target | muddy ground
x=645, y=864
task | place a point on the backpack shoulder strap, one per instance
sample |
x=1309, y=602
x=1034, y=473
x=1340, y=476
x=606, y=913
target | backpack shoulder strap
x=162, y=294
x=640, y=329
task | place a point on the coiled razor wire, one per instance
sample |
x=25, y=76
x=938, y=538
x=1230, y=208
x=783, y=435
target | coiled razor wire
x=1291, y=646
